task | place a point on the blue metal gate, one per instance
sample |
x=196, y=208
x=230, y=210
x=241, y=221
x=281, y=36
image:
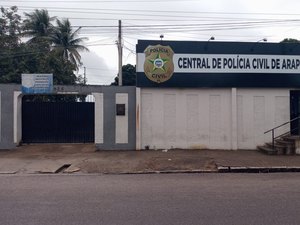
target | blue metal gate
x=58, y=122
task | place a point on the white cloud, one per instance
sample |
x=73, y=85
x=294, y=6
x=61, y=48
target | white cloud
x=97, y=69
x=146, y=12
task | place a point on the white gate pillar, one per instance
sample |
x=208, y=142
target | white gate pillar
x=99, y=125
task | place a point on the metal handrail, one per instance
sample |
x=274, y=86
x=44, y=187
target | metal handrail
x=273, y=129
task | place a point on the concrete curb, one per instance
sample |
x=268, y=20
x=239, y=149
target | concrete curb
x=220, y=169
x=242, y=169
x=8, y=172
x=163, y=172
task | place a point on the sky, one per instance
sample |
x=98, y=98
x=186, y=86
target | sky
x=185, y=20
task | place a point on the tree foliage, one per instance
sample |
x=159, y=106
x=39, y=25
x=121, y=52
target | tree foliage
x=29, y=47
x=38, y=26
x=10, y=23
x=128, y=76
x=66, y=43
x=290, y=40
x=11, y=47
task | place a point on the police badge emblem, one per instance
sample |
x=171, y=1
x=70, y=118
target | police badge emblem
x=158, y=65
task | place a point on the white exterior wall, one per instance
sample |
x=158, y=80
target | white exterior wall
x=259, y=110
x=226, y=118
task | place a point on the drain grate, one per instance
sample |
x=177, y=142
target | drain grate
x=62, y=168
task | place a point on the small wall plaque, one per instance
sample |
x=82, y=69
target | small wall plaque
x=120, y=108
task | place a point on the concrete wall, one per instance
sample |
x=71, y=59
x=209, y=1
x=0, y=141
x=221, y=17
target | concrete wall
x=7, y=116
x=118, y=131
x=111, y=132
x=221, y=118
x=227, y=118
x=259, y=110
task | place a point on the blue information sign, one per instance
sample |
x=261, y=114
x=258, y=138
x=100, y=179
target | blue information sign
x=37, y=83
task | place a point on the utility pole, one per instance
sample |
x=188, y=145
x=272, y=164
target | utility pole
x=120, y=52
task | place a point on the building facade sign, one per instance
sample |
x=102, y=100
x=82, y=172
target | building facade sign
x=217, y=64
x=206, y=63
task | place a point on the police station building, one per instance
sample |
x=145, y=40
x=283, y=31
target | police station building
x=188, y=95
x=214, y=95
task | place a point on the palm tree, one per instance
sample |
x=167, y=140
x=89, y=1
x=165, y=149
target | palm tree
x=66, y=43
x=38, y=25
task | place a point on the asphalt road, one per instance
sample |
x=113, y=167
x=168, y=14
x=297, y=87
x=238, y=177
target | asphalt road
x=169, y=199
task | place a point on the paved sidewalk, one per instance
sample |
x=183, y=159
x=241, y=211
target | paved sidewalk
x=83, y=158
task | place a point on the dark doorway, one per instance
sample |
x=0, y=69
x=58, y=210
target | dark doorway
x=58, y=122
x=295, y=111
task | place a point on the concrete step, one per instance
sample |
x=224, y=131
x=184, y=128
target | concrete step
x=285, y=145
x=276, y=145
x=284, y=142
x=280, y=148
x=291, y=138
x=267, y=150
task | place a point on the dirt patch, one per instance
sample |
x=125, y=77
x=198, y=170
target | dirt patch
x=137, y=161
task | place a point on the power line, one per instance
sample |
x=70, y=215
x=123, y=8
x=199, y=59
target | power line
x=169, y=11
x=98, y=44
x=52, y=9
x=93, y=68
x=117, y=12
x=188, y=25
x=130, y=50
x=182, y=28
x=183, y=17
x=103, y=1
x=204, y=18
x=20, y=54
x=129, y=43
x=199, y=28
